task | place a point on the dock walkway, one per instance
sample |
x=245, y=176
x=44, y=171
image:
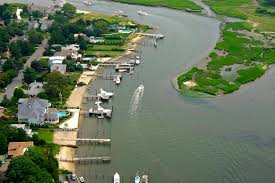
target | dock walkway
x=86, y=160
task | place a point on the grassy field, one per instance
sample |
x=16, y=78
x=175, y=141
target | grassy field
x=175, y=4
x=46, y=135
x=244, y=9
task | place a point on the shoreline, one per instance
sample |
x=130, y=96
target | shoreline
x=75, y=101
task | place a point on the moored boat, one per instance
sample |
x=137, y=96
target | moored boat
x=142, y=13
x=87, y=3
x=137, y=179
x=116, y=178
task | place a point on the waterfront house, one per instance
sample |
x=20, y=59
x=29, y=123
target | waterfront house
x=23, y=127
x=35, y=111
x=96, y=39
x=74, y=47
x=84, y=36
x=59, y=67
x=68, y=53
x=56, y=60
x=18, y=148
x=88, y=59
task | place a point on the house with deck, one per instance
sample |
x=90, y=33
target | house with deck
x=35, y=111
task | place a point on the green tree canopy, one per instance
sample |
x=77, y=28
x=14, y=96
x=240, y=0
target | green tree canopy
x=23, y=170
x=56, y=84
x=18, y=93
x=3, y=144
x=35, y=37
x=30, y=75
x=69, y=10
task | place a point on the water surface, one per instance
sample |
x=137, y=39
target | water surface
x=227, y=139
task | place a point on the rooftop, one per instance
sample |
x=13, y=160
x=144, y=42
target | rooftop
x=18, y=148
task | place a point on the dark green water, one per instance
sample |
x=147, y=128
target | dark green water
x=227, y=139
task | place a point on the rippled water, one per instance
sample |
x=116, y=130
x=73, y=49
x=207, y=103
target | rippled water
x=226, y=139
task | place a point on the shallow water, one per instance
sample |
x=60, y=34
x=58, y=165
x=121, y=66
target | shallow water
x=227, y=139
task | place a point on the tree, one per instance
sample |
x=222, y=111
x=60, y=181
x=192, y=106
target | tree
x=82, y=43
x=18, y=93
x=30, y=75
x=37, y=66
x=35, y=37
x=56, y=84
x=268, y=2
x=3, y=144
x=23, y=170
x=101, y=26
x=45, y=160
x=69, y=10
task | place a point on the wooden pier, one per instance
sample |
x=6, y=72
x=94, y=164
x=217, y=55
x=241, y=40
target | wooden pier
x=93, y=141
x=88, y=160
x=106, y=76
x=156, y=36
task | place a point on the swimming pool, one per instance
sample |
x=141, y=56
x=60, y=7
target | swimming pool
x=62, y=113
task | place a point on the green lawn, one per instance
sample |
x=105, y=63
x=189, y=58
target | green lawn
x=175, y=4
x=105, y=50
x=45, y=134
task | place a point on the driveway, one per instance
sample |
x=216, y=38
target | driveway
x=18, y=80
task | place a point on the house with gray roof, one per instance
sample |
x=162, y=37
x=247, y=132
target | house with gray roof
x=34, y=111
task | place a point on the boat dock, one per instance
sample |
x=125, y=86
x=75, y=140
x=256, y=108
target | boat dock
x=156, y=36
x=84, y=141
x=88, y=160
x=93, y=141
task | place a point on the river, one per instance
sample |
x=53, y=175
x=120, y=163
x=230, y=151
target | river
x=228, y=139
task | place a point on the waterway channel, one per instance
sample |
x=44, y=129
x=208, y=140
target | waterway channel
x=228, y=139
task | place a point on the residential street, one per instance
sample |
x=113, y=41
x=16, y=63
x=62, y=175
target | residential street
x=17, y=81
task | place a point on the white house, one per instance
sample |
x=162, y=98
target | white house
x=74, y=47
x=56, y=60
x=96, y=39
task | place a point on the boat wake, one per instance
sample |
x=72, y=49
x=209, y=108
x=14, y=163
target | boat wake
x=136, y=99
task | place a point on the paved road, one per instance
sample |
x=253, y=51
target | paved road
x=17, y=81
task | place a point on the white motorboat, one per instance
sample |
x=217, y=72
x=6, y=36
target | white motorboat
x=117, y=81
x=140, y=88
x=137, y=179
x=88, y=3
x=155, y=44
x=122, y=70
x=105, y=95
x=99, y=110
x=116, y=178
x=142, y=13
x=137, y=62
x=81, y=179
x=121, y=13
